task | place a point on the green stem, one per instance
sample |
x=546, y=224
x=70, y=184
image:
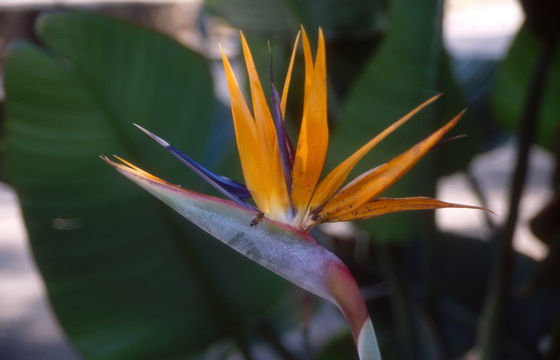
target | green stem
x=399, y=309
x=266, y=331
x=306, y=317
x=477, y=189
x=554, y=351
x=495, y=308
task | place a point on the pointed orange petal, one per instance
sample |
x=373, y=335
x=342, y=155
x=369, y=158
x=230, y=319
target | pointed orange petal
x=269, y=179
x=133, y=168
x=250, y=152
x=372, y=183
x=313, y=135
x=328, y=186
x=382, y=206
x=308, y=63
x=261, y=112
x=288, y=77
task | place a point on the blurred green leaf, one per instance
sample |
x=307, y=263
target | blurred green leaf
x=341, y=347
x=512, y=84
x=127, y=279
x=270, y=16
x=283, y=17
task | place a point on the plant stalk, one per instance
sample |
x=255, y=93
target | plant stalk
x=495, y=308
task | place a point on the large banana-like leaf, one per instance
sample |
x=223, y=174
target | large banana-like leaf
x=126, y=278
x=283, y=17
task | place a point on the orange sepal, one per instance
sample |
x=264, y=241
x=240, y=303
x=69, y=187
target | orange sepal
x=245, y=134
x=372, y=183
x=270, y=168
x=314, y=133
x=382, y=206
x=288, y=78
x=332, y=182
x=133, y=168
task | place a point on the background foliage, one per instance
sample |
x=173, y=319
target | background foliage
x=128, y=279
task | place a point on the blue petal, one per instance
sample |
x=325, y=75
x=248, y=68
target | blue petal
x=286, y=149
x=230, y=188
x=284, y=144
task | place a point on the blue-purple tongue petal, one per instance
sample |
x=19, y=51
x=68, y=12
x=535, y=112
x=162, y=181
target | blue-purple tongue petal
x=284, y=144
x=230, y=185
x=230, y=188
x=286, y=148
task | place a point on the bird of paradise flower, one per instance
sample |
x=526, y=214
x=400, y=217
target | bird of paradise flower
x=283, y=182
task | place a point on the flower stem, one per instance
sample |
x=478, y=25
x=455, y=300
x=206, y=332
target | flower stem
x=495, y=308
